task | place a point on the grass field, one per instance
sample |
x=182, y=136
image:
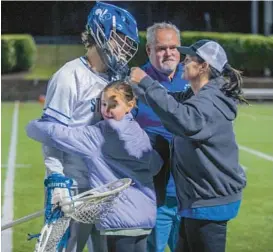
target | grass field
x=251, y=231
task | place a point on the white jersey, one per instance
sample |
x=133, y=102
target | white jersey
x=73, y=99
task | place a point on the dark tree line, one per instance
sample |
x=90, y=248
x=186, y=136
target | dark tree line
x=69, y=18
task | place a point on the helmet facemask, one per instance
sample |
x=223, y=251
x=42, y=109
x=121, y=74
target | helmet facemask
x=118, y=50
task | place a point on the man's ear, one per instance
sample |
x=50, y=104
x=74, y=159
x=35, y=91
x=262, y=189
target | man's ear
x=148, y=50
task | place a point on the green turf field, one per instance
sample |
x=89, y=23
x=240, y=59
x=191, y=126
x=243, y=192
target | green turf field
x=251, y=231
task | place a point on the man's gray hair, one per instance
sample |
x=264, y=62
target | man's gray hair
x=151, y=31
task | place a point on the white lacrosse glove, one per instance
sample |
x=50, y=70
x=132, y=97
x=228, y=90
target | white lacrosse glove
x=58, y=191
x=61, y=195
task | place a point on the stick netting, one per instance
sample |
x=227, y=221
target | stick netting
x=93, y=210
x=52, y=235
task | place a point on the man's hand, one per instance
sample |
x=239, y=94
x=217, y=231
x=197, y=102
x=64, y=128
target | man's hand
x=136, y=75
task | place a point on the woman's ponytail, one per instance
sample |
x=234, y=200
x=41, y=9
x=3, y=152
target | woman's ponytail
x=233, y=87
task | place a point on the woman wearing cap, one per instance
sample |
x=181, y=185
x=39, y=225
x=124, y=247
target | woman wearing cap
x=209, y=179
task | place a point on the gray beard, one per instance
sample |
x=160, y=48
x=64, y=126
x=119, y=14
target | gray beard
x=166, y=71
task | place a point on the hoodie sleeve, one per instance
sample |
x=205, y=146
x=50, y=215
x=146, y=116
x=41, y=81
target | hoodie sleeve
x=139, y=93
x=79, y=140
x=181, y=119
x=182, y=96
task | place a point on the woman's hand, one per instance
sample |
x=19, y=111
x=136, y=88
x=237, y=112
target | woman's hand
x=136, y=75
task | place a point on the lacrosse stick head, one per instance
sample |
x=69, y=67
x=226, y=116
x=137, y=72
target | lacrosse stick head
x=94, y=205
x=87, y=207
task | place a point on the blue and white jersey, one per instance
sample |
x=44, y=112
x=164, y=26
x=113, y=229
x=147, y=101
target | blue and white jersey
x=72, y=99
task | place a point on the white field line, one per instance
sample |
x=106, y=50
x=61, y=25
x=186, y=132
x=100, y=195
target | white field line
x=256, y=153
x=7, y=213
x=17, y=165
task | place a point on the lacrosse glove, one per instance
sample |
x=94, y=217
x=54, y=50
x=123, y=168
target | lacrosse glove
x=58, y=189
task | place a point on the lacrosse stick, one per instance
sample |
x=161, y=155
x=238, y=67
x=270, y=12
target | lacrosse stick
x=86, y=207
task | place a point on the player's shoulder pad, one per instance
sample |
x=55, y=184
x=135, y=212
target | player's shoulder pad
x=65, y=76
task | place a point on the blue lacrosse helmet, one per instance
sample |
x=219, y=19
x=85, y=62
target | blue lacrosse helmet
x=115, y=32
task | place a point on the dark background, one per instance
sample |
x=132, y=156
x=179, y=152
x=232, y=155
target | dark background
x=54, y=18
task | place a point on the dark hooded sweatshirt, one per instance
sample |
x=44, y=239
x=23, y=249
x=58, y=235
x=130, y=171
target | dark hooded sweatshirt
x=207, y=170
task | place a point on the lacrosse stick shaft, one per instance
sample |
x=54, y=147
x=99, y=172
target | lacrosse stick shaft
x=78, y=198
x=27, y=218
x=23, y=219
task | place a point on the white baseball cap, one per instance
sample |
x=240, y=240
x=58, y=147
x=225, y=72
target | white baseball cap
x=208, y=50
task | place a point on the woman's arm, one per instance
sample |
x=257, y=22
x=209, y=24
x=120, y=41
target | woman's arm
x=179, y=118
x=182, y=96
x=79, y=140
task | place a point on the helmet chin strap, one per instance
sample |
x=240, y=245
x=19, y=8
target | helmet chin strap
x=114, y=70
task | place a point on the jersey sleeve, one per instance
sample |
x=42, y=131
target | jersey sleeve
x=59, y=104
x=61, y=96
x=53, y=160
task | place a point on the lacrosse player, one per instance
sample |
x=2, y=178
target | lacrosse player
x=73, y=99
x=209, y=179
x=114, y=148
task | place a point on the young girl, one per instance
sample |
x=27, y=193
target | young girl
x=112, y=149
x=209, y=180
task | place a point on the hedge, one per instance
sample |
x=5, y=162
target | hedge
x=8, y=55
x=18, y=52
x=247, y=52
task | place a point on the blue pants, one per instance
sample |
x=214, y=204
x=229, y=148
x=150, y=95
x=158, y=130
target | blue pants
x=166, y=230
